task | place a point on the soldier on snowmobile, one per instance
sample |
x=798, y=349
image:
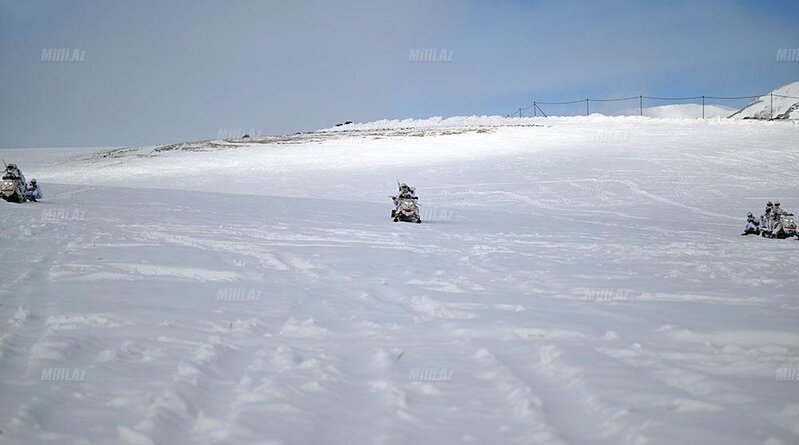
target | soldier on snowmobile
x=765, y=219
x=775, y=221
x=13, y=172
x=752, y=225
x=33, y=192
x=405, y=192
x=405, y=189
x=405, y=207
x=13, y=188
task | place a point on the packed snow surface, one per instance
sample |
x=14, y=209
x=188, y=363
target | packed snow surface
x=576, y=280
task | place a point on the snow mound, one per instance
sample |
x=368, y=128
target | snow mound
x=687, y=111
x=783, y=107
x=674, y=111
x=432, y=123
x=302, y=329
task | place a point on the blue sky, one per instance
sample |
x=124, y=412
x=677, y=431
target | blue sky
x=167, y=71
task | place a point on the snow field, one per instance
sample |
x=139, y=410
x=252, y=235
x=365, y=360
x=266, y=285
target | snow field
x=578, y=280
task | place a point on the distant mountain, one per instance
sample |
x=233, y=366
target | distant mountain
x=783, y=107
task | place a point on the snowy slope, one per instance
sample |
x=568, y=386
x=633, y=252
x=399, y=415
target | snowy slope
x=577, y=280
x=785, y=105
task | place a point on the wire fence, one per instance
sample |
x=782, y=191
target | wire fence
x=538, y=111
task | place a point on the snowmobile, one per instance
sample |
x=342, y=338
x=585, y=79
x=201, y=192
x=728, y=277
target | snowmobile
x=783, y=227
x=407, y=210
x=13, y=189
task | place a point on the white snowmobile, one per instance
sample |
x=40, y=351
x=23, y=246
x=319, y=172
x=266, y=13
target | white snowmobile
x=407, y=210
x=779, y=226
x=13, y=189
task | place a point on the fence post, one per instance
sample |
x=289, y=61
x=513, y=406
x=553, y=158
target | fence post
x=535, y=109
x=703, y=106
x=587, y=111
x=641, y=104
x=520, y=112
x=771, y=108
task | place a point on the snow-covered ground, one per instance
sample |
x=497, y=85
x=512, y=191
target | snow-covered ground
x=577, y=280
x=782, y=103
